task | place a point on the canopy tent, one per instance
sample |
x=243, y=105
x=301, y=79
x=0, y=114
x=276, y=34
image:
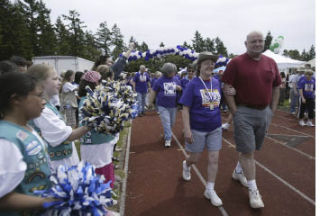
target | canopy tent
x=312, y=62
x=283, y=62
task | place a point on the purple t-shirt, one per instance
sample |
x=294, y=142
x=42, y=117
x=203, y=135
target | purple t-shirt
x=184, y=83
x=166, y=91
x=308, y=87
x=141, y=82
x=196, y=97
x=153, y=81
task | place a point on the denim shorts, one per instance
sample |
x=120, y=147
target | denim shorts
x=250, y=128
x=212, y=140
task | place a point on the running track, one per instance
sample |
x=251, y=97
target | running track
x=285, y=173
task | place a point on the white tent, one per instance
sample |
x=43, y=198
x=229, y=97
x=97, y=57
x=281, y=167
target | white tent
x=312, y=62
x=283, y=62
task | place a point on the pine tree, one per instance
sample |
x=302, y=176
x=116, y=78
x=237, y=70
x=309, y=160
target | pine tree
x=198, y=42
x=312, y=52
x=186, y=45
x=221, y=49
x=161, y=44
x=117, y=41
x=91, y=50
x=104, y=37
x=63, y=38
x=75, y=27
x=209, y=45
x=267, y=41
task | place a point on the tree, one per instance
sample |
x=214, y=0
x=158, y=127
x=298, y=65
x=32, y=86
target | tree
x=221, y=49
x=117, y=41
x=198, y=42
x=267, y=41
x=144, y=47
x=161, y=44
x=75, y=28
x=63, y=38
x=312, y=52
x=209, y=45
x=294, y=54
x=91, y=50
x=186, y=45
x=104, y=37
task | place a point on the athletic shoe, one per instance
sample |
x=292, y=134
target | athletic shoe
x=167, y=143
x=240, y=177
x=302, y=123
x=186, y=171
x=255, y=199
x=309, y=123
x=213, y=197
x=225, y=126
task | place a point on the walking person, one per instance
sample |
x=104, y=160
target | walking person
x=202, y=122
x=141, y=84
x=165, y=90
x=306, y=88
x=256, y=79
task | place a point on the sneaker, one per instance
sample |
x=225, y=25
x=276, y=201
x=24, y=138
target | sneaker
x=225, y=126
x=293, y=113
x=167, y=143
x=301, y=123
x=186, y=171
x=309, y=123
x=240, y=177
x=213, y=197
x=255, y=199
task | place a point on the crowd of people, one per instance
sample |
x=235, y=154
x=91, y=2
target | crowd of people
x=40, y=121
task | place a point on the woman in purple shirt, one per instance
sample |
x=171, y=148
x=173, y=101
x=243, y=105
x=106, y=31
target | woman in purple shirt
x=202, y=122
x=165, y=90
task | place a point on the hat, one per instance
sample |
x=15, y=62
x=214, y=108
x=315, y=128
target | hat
x=205, y=56
x=92, y=76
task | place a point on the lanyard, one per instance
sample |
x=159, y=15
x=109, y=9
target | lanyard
x=208, y=93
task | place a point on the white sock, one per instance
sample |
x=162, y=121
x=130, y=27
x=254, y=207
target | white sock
x=238, y=168
x=252, y=185
x=210, y=186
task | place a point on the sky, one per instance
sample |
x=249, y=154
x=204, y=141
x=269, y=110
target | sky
x=175, y=21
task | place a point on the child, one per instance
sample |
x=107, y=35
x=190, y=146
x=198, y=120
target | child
x=306, y=87
x=69, y=102
x=23, y=158
x=96, y=148
x=51, y=124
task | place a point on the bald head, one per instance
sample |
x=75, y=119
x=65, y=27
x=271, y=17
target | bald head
x=255, y=44
x=253, y=33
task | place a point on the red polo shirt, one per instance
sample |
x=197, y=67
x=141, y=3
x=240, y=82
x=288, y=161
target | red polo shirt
x=253, y=80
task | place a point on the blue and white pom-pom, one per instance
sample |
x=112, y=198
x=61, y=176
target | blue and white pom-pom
x=79, y=191
x=108, y=107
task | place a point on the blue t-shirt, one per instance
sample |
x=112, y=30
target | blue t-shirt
x=141, y=82
x=153, y=81
x=165, y=88
x=308, y=87
x=184, y=83
x=196, y=97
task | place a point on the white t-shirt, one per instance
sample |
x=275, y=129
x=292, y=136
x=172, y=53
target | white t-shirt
x=55, y=100
x=55, y=131
x=12, y=165
x=98, y=155
x=68, y=87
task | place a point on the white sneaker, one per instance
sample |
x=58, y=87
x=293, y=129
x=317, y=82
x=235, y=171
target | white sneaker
x=240, y=177
x=225, y=126
x=309, y=123
x=301, y=123
x=213, y=197
x=255, y=199
x=167, y=143
x=186, y=171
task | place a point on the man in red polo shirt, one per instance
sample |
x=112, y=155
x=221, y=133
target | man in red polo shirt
x=256, y=79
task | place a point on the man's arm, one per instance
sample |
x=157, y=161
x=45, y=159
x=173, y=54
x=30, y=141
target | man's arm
x=275, y=98
x=229, y=92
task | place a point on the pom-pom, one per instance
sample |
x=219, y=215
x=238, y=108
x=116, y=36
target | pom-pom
x=79, y=191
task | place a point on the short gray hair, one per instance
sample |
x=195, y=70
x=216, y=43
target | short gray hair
x=168, y=68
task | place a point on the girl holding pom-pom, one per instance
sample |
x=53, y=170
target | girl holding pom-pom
x=24, y=164
x=51, y=124
x=96, y=148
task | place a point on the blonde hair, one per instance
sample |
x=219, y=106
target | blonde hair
x=40, y=71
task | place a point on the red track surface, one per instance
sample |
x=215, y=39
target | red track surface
x=155, y=186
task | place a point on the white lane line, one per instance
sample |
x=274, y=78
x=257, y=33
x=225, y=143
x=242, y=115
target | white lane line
x=124, y=186
x=221, y=209
x=280, y=179
x=291, y=148
x=290, y=129
x=288, y=135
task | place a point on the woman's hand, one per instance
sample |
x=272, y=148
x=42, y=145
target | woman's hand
x=188, y=136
